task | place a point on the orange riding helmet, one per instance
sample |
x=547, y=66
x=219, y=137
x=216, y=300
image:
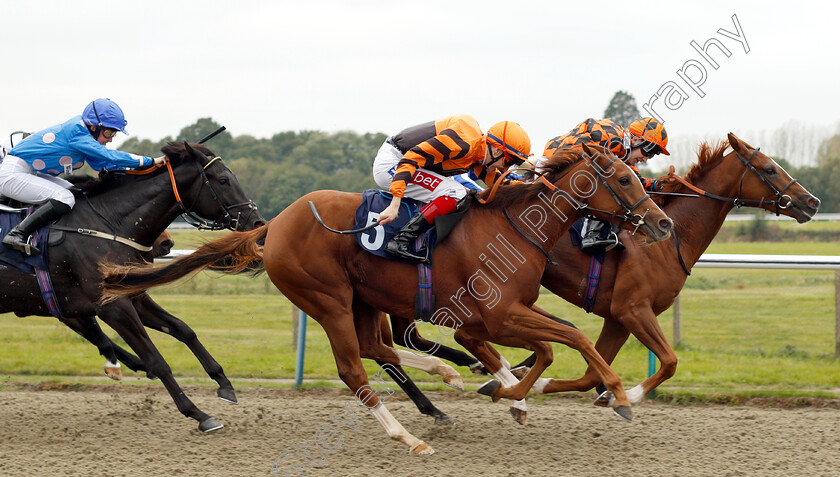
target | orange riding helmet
x=510, y=138
x=651, y=131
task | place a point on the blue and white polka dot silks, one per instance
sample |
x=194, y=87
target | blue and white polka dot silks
x=65, y=147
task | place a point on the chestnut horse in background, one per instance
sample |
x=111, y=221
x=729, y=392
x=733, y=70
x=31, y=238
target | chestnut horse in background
x=642, y=281
x=484, y=296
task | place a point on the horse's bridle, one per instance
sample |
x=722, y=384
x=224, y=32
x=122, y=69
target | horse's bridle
x=783, y=201
x=229, y=221
x=628, y=215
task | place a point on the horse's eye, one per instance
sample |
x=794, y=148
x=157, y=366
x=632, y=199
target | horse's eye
x=624, y=181
x=223, y=181
x=770, y=170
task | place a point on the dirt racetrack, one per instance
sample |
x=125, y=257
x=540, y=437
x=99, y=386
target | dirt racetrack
x=116, y=429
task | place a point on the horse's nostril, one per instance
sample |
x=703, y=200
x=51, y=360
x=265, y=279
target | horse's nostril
x=665, y=224
x=814, y=203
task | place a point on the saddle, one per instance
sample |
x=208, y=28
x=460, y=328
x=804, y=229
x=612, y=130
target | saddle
x=374, y=240
x=9, y=218
x=375, y=201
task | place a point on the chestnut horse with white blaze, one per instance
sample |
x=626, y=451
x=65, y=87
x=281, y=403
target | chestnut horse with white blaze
x=487, y=273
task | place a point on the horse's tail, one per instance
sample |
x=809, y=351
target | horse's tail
x=234, y=253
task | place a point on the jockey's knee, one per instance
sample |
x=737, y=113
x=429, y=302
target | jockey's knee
x=65, y=197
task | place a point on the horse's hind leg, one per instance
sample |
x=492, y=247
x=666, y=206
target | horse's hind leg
x=122, y=317
x=155, y=317
x=369, y=328
x=406, y=335
x=424, y=405
x=345, y=346
x=89, y=329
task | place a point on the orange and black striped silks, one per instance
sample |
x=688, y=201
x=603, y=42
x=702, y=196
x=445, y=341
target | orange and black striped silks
x=447, y=146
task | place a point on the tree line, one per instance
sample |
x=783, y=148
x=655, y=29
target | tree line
x=278, y=170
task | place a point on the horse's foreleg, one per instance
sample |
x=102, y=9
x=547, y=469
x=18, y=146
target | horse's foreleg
x=530, y=360
x=612, y=338
x=492, y=361
x=154, y=316
x=406, y=334
x=642, y=322
x=122, y=317
x=530, y=326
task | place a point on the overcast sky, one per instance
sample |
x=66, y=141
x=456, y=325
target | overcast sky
x=262, y=67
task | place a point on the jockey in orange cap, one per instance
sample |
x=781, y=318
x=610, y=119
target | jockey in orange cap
x=644, y=139
x=420, y=162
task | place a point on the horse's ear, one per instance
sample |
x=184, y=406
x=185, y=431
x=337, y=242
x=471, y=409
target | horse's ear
x=737, y=144
x=188, y=148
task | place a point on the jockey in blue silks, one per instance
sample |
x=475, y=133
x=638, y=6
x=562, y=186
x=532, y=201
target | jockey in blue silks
x=29, y=171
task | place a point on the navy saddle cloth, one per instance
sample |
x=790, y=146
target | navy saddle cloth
x=374, y=240
x=11, y=258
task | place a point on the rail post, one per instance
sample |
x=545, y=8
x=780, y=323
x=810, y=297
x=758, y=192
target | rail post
x=301, y=347
x=677, y=321
x=837, y=313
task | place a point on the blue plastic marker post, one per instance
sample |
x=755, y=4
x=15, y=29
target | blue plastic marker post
x=301, y=348
x=651, y=370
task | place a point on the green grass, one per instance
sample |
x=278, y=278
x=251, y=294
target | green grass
x=744, y=332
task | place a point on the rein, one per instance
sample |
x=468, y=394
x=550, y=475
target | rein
x=188, y=215
x=738, y=201
x=627, y=216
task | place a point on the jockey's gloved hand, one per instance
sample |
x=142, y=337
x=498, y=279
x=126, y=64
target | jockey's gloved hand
x=666, y=179
x=159, y=160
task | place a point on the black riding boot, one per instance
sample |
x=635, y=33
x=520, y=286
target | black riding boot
x=592, y=241
x=400, y=245
x=18, y=238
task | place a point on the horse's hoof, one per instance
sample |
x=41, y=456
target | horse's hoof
x=520, y=371
x=489, y=388
x=422, y=449
x=444, y=420
x=624, y=412
x=603, y=399
x=479, y=369
x=227, y=394
x=454, y=381
x=518, y=415
x=209, y=425
x=114, y=373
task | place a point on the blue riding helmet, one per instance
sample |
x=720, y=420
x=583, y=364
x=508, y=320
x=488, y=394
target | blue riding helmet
x=104, y=112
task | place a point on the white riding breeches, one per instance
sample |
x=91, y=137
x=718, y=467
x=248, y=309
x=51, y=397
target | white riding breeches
x=19, y=181
x=424, y=186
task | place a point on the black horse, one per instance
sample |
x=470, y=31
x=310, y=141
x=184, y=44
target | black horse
x=137, y=208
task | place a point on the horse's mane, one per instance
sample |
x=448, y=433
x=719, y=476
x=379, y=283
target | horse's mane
x=509, y=194
x=707, y=156
x=109, y=180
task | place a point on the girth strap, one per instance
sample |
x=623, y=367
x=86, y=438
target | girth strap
x=103, y=235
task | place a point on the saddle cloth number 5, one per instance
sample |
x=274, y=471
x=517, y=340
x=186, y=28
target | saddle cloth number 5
x=374, y=240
